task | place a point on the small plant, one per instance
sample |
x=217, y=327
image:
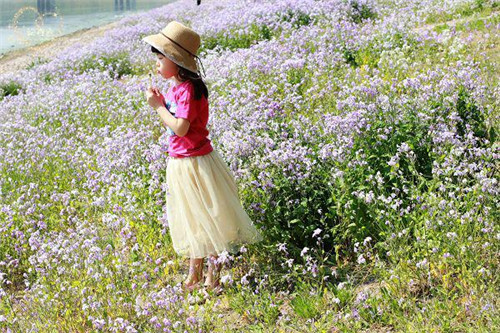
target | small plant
x=361, y=11
x=307, y=304
x=117, y=64
x=262, y=307
x=235, y=40
x=298, y=18
x=10, y=88
x=36, y=62
x=350, y=57
x=470, y=116
x=367, y=55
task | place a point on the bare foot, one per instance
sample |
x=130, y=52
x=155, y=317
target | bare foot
x=192, y=280
x=195, y=274
x=213, y=275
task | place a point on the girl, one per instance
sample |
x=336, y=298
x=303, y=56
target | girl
x=203, y=208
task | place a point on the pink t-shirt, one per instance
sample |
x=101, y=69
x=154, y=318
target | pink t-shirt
x=181, y=103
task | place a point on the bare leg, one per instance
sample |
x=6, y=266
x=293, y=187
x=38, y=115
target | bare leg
x=195, y=271
x=213, y=274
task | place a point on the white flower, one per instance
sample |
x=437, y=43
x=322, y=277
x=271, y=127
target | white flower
x=226, y=279
x=394, y=160
x=404, y=147
x=282, y=247
x=224, y=257
x=304, y=251
x=361, y=259
x=316, y=232
x=422, y=263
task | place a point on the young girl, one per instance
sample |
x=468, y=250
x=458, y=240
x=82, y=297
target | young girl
x=203, y=208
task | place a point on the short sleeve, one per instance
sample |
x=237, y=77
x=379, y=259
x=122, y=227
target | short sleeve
x=186, y=106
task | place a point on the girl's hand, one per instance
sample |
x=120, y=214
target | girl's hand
x=155, y=98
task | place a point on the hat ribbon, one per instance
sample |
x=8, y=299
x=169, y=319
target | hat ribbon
x=194, y=55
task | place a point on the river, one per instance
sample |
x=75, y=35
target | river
x=26, y=23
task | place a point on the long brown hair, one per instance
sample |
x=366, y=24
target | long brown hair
x=184, y=74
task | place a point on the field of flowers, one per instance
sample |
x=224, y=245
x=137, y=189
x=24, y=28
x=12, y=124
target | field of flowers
x=363, y=135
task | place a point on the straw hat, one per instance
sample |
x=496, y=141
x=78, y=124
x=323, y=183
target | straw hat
x=178, y=43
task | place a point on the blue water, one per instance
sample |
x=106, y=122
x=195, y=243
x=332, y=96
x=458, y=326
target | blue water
x=26, y=23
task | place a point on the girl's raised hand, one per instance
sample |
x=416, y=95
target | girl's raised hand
x=154, y=97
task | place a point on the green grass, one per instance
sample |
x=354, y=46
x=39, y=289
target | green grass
x=10, y=88
x=478, y=7
x=475, y=23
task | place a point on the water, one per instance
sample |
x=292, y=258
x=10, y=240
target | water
x=26, y=23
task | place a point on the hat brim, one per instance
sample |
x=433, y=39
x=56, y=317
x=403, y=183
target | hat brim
x=172, y=51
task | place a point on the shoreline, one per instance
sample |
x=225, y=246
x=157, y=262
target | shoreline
x=15, y=60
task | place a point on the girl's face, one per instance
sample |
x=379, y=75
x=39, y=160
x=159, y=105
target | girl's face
x=166, y=67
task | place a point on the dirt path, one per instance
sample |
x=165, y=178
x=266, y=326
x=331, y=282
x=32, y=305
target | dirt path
x=19, y=59
x=455, y=22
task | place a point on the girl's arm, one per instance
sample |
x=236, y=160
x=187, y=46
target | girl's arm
x=180, y=126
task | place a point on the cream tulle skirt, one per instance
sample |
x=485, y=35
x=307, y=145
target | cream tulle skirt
x=204, y=213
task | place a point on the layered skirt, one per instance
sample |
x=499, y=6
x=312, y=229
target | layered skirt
x=204, y=213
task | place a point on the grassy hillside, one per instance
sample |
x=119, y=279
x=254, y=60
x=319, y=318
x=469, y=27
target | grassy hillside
x=363, y=135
